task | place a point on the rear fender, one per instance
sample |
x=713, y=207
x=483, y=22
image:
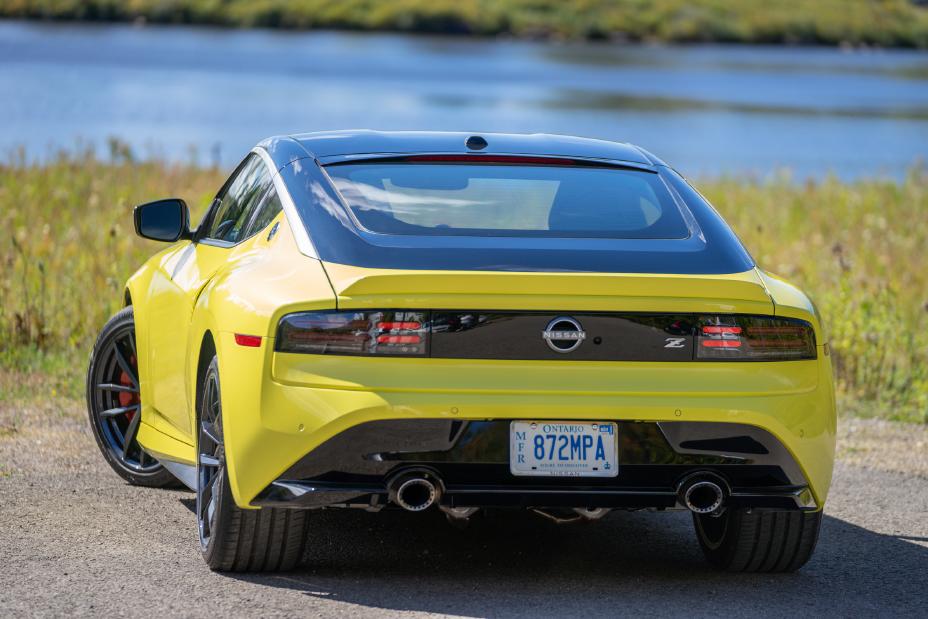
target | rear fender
x=263, y=279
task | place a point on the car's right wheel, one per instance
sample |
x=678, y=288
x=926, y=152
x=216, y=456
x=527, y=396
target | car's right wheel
x=231, y=538
x=741, y=540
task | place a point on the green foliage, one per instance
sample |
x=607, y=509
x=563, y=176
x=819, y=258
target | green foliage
x=859, y=22
x=68, y=245
x=860, y=248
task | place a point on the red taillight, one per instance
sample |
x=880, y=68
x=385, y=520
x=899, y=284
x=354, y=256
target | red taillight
x=390, y=326
x=479, y=158
x=722, y=343
x=720, y=336
x=754, y=338
x=709, y=329
x=252, y=341
x=364, y=332
x=398, y=339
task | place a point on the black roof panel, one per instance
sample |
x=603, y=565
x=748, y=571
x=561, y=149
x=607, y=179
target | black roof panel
x=355, y=142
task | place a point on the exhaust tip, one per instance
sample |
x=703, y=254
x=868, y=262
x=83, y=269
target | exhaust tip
x=703, y=496
x=702, y=493
x=415, y=494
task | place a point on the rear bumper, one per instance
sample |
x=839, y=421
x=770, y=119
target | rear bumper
x=471, y=460
x=283, y=413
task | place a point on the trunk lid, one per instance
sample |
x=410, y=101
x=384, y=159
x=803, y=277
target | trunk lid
x=736, y=293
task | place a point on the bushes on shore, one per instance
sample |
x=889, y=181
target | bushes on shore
x=887, y=23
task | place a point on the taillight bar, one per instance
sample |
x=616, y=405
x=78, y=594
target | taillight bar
x=655, y=337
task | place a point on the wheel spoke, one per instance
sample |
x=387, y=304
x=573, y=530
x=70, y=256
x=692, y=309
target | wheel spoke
x=210, y=431
x=129, y=436
x=130, y=337
x=112, y=412
x=207, y=460
x=206, y=494
x=115, y=387
x=121, y=360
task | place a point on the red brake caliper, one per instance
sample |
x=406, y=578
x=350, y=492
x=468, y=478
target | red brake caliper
x=126, y=398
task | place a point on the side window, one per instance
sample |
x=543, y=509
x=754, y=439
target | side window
x=266, y=212
x=239, y=201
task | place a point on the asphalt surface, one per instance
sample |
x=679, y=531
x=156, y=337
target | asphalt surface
x=75, y=540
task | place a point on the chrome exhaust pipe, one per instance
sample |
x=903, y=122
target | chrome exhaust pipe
x=415, y=491
x=702, y=493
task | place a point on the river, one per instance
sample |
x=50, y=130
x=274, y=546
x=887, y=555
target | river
x=210, y=94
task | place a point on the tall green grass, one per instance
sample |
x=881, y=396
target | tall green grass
x=861, y=249
x=885, y=22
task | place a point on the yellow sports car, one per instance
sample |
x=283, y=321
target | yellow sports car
x=459, y=322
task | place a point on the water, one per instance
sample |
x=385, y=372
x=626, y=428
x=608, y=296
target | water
x=175, y=91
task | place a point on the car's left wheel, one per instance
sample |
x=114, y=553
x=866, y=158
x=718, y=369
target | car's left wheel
x=231, y=538
x=115, y=407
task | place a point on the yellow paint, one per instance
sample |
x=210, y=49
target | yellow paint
x=277, y=407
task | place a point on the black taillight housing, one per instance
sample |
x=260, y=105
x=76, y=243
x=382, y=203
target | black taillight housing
x=520, y=335
x=754, y=338
x=361, y=332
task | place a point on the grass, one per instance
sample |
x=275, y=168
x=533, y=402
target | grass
x=860, y=248
x=887, y=23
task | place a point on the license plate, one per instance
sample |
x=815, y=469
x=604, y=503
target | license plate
x=563, y=448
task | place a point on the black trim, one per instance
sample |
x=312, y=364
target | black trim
x=338, y=239
x=742, y=444
x=199, y=235
x=483, y=158
x=310, y=495
x=471, y=458
x=183, y=230
x=517, y=336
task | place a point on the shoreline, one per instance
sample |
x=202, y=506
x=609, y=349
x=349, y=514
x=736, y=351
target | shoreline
x=833, y=24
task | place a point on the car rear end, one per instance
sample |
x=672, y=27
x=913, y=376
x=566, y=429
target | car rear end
x=500, y=337
x=483, y=405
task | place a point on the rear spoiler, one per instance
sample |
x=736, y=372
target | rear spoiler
x=736, y=293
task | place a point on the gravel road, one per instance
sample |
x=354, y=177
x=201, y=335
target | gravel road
x=75, y=540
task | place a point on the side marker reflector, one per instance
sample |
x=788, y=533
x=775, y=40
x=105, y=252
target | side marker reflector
x=248, y=340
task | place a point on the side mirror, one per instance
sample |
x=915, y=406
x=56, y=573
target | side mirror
x=163, y=220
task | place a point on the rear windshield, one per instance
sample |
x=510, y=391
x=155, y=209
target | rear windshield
x=509, y=200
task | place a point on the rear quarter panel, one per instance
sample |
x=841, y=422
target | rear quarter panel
x=264, y=280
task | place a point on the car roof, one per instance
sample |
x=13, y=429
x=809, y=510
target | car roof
x=335, y=145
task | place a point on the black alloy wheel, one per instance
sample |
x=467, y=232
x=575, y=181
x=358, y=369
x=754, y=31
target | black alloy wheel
x=114, y=404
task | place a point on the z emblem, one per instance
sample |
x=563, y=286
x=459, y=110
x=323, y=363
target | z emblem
x=675, y=342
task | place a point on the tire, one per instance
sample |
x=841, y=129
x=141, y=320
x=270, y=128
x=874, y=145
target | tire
x=756, y=541
x=234, y=539
x=114, y=404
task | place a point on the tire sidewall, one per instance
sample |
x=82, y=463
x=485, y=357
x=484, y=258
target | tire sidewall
x=225, y=504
